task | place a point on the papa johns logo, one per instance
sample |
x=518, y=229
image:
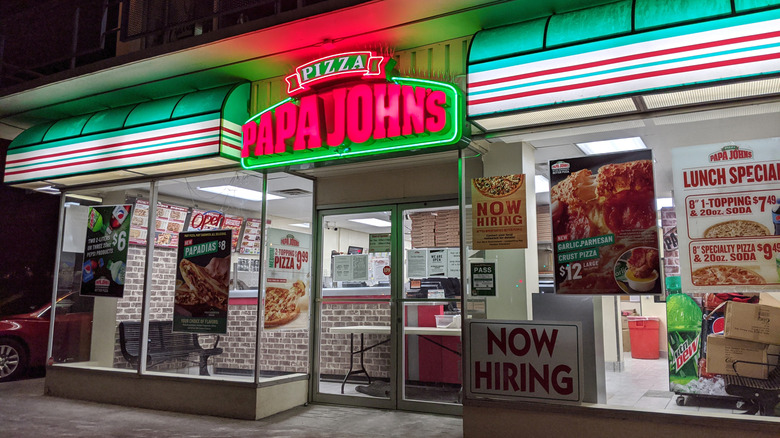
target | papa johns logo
x=560, y=167
x=730, y=153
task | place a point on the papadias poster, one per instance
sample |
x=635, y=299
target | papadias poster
x=202, y=282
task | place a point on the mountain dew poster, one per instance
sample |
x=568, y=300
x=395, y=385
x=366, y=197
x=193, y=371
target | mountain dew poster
x=105, y=251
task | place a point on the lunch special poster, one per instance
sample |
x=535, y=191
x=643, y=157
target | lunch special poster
x=498, y=213
x=202, y=282
x=604, y=225
x=728, y=215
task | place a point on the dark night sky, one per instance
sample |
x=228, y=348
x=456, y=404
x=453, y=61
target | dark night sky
x=28, y=234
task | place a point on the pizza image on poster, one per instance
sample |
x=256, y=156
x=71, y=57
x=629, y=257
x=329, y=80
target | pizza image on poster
x=604, y=224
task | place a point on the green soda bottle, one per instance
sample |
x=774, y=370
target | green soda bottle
x=95, y=221
x=684, y=321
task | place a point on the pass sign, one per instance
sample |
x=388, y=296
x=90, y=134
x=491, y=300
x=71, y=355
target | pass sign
x=351, y=105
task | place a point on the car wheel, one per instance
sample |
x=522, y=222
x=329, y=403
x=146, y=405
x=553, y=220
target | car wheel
x=13, y=360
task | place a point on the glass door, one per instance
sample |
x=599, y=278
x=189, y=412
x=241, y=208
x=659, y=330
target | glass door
x=355, y=347
x=429, y=303
x=387, y=307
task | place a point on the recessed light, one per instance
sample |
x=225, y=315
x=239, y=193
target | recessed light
x=84, y=197
x=239, y=192
x=372, y=221
x=301, y=225
x=663, y=202
x=542, y=184
x=616, y=145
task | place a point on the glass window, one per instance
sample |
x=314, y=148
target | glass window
x=636, y=338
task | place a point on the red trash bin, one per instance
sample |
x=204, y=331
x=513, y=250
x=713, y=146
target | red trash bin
x=644, y=336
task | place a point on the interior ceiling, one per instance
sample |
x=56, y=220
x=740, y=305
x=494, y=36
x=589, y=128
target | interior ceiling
x=259, y=54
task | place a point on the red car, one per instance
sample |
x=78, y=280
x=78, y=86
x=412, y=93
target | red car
x=24, y=337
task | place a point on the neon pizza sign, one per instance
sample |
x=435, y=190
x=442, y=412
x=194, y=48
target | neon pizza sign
x=351, y=105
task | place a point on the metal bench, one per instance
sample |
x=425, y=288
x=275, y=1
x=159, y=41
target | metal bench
x=762, y=394
x=164, y=345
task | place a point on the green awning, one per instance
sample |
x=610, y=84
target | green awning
x=628, y=47
x=200, y=124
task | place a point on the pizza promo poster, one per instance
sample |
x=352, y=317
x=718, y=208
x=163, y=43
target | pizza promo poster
x=604, y=226
x=105, y=251
x=288, y=279
x=728, y=216
x=202, y=282
x=498, y=213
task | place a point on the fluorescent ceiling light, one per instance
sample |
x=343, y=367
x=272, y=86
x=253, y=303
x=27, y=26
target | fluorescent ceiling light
x=542, y=184
x=71, y=204
x=49, y=189
x=663, y=202
x=84, y=197
x=302, y=225
x=372, y=221
x=239, y=192
x=616, y=145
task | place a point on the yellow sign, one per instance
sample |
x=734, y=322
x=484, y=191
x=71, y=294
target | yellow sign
x=498, y=212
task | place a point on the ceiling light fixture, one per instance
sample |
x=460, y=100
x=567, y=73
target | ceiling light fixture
x=84, y=197
x=663, y=202
x=239, y=192
x=542, y=184
x=301, y=225
x=616, y=145
x=372, y=222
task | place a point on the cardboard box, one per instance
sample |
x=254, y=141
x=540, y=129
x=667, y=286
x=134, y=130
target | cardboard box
x=752, y=322
x=722, y=352
x=626, y=340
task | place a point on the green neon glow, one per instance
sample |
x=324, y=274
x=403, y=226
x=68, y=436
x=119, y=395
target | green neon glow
x=450, y=135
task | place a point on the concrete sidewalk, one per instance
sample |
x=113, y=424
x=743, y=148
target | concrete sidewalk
x=26, y=412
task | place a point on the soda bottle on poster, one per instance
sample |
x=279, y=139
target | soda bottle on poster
x=684, y=322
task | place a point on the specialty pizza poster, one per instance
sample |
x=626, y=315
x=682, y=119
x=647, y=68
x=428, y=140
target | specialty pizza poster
x=202, y=282
x=605, y=235
x=725, y=199
x=498, y=216
x=289, y=262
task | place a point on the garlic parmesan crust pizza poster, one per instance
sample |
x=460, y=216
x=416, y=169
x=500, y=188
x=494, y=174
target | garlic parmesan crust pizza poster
x=498, y=215
x=728, y=216
x=202, y=282
x=605, y=235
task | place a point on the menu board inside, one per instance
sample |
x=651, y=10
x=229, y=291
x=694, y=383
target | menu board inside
x=726, y=201
x=250, y=242
x=168, y=223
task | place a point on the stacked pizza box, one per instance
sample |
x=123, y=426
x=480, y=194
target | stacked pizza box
x=750, y=341
x=447, y=229
x=423, y=229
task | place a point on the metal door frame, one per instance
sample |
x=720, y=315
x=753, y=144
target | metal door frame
x=396, y=302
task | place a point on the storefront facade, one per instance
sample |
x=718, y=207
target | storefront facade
x=347, y=179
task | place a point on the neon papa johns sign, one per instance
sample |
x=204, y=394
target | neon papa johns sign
x=350, y=105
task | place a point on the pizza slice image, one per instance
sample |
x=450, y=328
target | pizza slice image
x=201, y=284
x=283, y=305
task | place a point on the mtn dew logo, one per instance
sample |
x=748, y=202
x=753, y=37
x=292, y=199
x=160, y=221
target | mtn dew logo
x=560, y=167
x=730, y=153
x=685, y=352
